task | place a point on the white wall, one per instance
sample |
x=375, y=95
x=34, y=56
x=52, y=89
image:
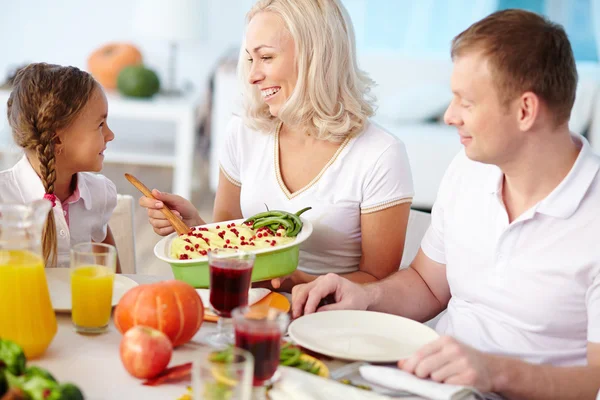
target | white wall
x=67, y=31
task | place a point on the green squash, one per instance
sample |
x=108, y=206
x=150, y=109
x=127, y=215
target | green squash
x=138, y=81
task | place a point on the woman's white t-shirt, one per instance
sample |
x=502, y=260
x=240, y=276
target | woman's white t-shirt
x=368, y=173
x=88, y=213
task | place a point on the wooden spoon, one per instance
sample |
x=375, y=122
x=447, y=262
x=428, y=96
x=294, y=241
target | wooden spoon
x=180, y=227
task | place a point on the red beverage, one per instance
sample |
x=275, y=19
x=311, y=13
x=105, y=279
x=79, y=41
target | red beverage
x=229, y=286
x=265, y=347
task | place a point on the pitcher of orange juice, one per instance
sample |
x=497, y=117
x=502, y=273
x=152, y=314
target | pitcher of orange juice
x=26, y=314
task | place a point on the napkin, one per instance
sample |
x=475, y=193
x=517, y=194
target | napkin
x=254, y=296
x=397, y=379
x=296, y=384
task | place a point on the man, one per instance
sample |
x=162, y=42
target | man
x=512, y=250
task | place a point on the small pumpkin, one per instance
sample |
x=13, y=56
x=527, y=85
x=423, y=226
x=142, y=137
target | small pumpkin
x=173, y=307
x=106, y=63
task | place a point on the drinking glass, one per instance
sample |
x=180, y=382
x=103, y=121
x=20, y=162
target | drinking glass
x=230, y=279
x=93, y=268
x=259, y=330
x=215, y=377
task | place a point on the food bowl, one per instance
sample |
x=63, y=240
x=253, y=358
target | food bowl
x=270, y=263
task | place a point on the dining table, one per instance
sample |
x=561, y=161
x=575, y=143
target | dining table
x=93, y=363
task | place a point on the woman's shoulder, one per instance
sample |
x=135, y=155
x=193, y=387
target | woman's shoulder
x=242, y=134
x=240, y=126
x=374, y=140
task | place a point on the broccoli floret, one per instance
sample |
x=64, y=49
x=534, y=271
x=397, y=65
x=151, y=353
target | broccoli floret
x=12, y=356
x=3, y=384
x=70, y=392
x=37, y=371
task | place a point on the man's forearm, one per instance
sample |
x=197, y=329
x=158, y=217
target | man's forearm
x=406, y=294
x=516, y=379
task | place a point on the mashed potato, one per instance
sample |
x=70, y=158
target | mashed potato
x=199, y=241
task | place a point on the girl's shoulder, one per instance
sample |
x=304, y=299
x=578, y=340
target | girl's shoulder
x=96, y=186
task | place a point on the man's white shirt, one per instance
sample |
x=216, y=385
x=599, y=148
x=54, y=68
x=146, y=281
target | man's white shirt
x=528, y=289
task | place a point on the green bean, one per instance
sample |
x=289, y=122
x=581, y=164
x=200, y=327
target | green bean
x=292, y=359
x=286, y=354
x=297, y=224
x=265, y=214
x=274, y=218
x=285, y=345
x=268, y=221
x=303, y=211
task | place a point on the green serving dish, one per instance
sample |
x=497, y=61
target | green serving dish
x=269, y=263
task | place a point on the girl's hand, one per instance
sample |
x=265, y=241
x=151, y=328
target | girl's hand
x=181, y=207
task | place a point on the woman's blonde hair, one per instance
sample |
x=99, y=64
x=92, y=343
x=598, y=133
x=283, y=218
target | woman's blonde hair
x=331, y=99
x=44, y=99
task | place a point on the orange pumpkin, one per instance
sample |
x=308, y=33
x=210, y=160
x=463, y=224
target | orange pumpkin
x=106, y=62
x=173, y=307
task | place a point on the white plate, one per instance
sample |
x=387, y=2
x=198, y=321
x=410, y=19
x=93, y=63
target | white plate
x=59, y=285
x=360, y=335
x=162, y=249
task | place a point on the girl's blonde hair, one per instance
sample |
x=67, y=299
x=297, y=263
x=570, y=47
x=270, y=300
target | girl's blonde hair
x=46, y=98
x=331, y=99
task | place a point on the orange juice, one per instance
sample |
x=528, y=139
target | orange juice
x=91, y=294
x=26, y=314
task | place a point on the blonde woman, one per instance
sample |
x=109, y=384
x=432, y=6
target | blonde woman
x=305, y=139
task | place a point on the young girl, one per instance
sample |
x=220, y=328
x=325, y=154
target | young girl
x=58, y=117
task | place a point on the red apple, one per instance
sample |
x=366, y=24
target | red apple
x=145, y=352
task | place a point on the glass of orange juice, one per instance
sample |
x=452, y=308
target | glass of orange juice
x=93, y=267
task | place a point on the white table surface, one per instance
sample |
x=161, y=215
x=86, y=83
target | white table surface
x=93, y=362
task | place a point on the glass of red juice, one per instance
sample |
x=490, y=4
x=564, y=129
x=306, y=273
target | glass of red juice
x=259, y=330
x=230, y=279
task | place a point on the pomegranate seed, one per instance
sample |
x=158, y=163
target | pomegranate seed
x=196, y=245
x=203, y=252
x=273, y=244
x=242, y=238
x=187, y=247
x=235, y=247
x=279, y=234
x=228, y=241
x=260, y=235
x=218, y=227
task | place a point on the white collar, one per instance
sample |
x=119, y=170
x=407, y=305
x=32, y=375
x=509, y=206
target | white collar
x=31, y=186
x=563, y=201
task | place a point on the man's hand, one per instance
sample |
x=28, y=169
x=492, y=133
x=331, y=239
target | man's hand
x=449, y=361
x=348, y=295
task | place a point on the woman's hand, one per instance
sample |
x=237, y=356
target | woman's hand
x=181, y=207
x=286, y=283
